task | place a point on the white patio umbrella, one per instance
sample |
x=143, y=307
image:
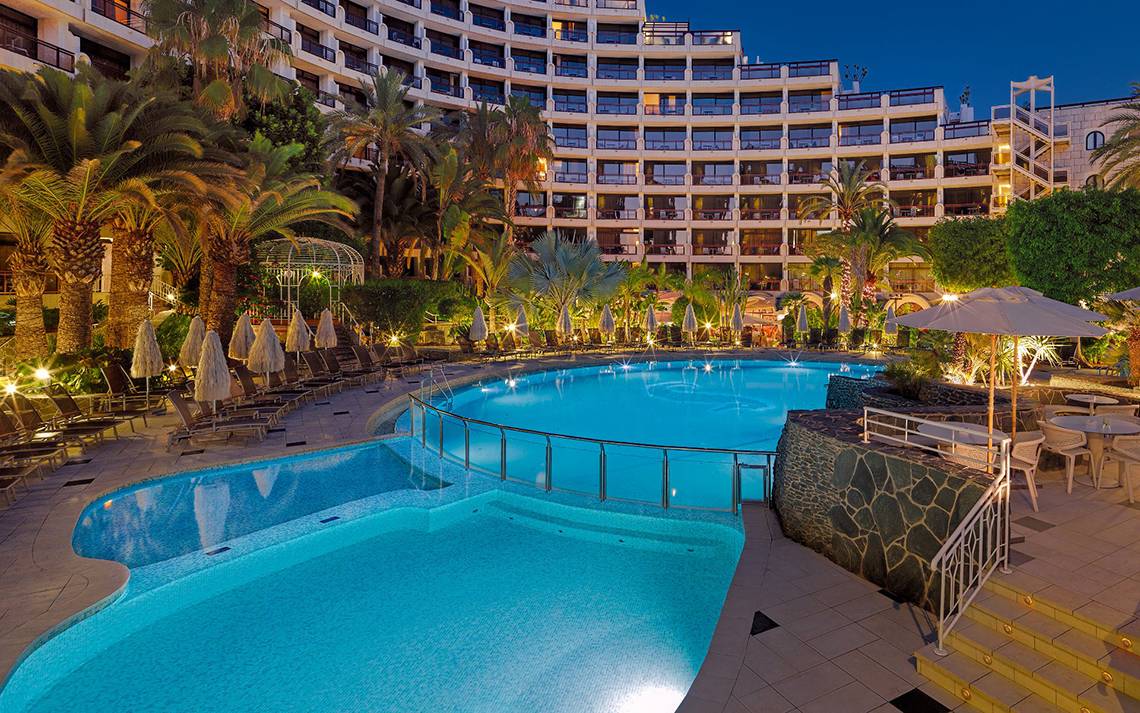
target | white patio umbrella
x=242, y=338
x=802, y=320
x=297, y=335
x=565, y=326
x=266, y=355
x=650, y=322
x=1132, y=295
x=890, y=325
x=689, y=323
x=147, y=358
x=844, y=320
x=326, y=331
x=521, y=326
x=191, y=349
x=212, y=380
x=1008, y=312
x=606, y=323
x=737, y=319
x=478, y=330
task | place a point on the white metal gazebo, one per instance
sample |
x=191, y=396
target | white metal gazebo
x=293, y=263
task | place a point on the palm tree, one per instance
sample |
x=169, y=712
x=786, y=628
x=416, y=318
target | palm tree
x=30, y=270
x=226, y=47
x=462, y=200
x=273, y=202
x=825, y=268
x=407, y=220
x=526, y=150
x=90, y=147
x=1125, y=317
x=564, y=274
x=849, y=191
x=386, y=126
x=490, y=261
x=180, y=250
x=882, y=242
x=1119, y=156
x=479, y=140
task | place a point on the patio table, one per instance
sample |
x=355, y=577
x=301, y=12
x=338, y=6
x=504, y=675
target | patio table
x=966, y=441
x=1091, y=400
x=1099, y=430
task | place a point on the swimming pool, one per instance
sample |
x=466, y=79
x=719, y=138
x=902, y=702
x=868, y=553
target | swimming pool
x=466, y=596
x=717, y=404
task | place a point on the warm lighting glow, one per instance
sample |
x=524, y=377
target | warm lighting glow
x=652, y=699
x=511, y=327
x=42, y=374
x=394, y=340
x=106, y=504
x=708, y=325
x=9, y=388
x=172, y=368
x=835, y=295
x=708, y=367
x=950, y=298
x=316, y=274
x=649, y=340
x=511, y=383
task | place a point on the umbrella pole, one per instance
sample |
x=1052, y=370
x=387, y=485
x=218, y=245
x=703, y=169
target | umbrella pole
x=1013, y=386
x=990, y=406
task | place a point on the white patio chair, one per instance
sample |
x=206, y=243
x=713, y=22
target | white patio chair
x=1125, y=450
x=1116, y=410
x=1024, y=456
x=1069, y=444
x=1053, y=410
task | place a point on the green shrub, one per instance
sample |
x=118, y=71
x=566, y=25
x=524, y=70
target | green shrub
x=171, y=333
x=906, y=378
x=400, y=306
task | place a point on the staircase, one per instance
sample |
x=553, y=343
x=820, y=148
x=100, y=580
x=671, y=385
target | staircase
x=1025, y=647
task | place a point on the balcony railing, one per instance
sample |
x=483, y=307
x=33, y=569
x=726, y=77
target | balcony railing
x=404, y=38
x=530, y=211
x=616, y=4
x=808, y=142
x=664, y=214
x=759, y=179
x=446, y=50
x=326, y=99
x=446, y=88
x=489, y=96
x=571, y=177
x=617, y=144
x=967, y=130
x=665, y=74
x=616, y=37
x=316, y=48
x=711, y=249
x=410, y=3
x=665, y=144
x=607, y=108
x=759, y=144
x=911, y=173
x=489, y=59
x=754, y=109
x=713, y=214
x=573, y=3
x=529, y=64
x=916, y=285
x=616, y=249
x=910, y=97
x=957, y=169
x=120, y=13
x=799, y=178
x=571, y=142
x=864, y=100
x=913, y=211
x=616, y=179
x=363, y=23
x=906, y=137
x=489, y=22
x=663, y=109
x=571, y=35
x=711, y=74
x=712, y=179
x=760, y=71
x=360, y=65
x=570, y=213
x=443, y=10
x=664, y=249
x=711, y=37
x=712, y=144
x=763, y=248
x=37, y=49
x=861, y=139
x=410, y=80
x=323, y=5
x=616, y=73
x=528, y=30
x=809, y=69
x=712, y=109
x=573, y=106
x=965, y=208
x=802, y=106
x=616, y=214
x=759, y=213
x=571, y=70
x=276, y=30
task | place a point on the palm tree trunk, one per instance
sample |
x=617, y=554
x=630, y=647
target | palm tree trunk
x=220, y=316
x=75, y=316
x=76, y=252
x=29, y=276
x=510, y=195
x=205, y=279
x=375, y=261
x=1134, y=356
x=132, y=269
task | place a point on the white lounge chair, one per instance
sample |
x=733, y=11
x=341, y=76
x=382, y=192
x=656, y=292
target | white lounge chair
x=1025, y=456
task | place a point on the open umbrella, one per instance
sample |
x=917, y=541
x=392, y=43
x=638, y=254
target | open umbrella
x=192, y=346
x=1009, y=312
x=737, y=319
x=802, y=320
x=1132, y=295
x=606, y=325
x=326, y=331
x=147, y=358
x=650, y=323
x=565, y=326
x=297, y=335
x=212, y=380
x=242, y=338
x=844, y=320
x=266, y=355
x=689, y=323
x=478, y=330
x=890, y=326
x=521, y=327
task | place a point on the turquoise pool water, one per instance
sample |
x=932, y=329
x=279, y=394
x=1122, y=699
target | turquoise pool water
x=470, y=597
x=724, y=404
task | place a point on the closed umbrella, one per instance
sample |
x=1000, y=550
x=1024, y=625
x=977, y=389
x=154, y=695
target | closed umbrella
x=1010, y=312
x=844, y=320
x=565, y=326
x=326, y=331
x=606, y=324
x=737, y=319
x=212, y=380
x=266, y=355
x=521, y=327
x=650, y=323
x=192, y=346
x=890, y=326
x=297, y=335
x=689, y=324
x=242, y=338
x=478, y=330
x=802, y=320
x=147, y=358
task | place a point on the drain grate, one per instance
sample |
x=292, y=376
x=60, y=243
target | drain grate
x=77, y=461
x=340, y=413
x=218, y=551
x=290, y=444
x=330, y=519
x=194, y=452
x=78, y=481
x=276, y=430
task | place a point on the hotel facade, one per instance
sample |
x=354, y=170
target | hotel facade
x=670, y=145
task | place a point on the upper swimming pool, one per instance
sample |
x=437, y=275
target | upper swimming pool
x=719, y=404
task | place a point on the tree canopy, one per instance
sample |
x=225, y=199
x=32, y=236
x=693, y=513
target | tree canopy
x=969, y=253
x=1076, y=245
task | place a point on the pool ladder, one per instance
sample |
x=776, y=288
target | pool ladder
x=433, y=383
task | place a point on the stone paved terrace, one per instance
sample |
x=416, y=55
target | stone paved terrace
x=826, y=640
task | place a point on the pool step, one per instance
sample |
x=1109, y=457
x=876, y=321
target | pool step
x=1031, y=653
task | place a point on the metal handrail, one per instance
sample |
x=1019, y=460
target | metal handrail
x=424, y=405
x=980, y=543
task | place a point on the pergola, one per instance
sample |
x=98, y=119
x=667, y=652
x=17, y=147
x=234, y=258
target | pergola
x=294, y=262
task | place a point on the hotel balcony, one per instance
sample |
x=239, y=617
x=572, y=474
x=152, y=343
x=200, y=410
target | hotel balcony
x=664, y=249
x=913, y=211
x=759, y=213
x=120, y=13
x=404, y=38
x=43, y=52
x=615, y=214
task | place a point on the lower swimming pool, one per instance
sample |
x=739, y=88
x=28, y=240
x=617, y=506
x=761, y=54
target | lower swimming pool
x=461, y=596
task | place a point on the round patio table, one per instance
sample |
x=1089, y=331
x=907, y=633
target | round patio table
x=1091, y=400
x=1099, y=430
x=963, y=440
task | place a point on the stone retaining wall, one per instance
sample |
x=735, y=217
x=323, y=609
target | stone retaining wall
x=845, y=392
x=879, y=511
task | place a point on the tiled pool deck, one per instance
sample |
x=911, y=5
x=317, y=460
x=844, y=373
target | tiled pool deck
x=797, y=632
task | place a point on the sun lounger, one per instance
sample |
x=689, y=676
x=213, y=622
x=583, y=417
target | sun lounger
x=209, y=426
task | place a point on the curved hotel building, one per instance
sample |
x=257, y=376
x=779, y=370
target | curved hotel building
x=670, y=144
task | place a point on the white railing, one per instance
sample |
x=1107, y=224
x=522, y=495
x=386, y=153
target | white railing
x=162, y=290
x=980, y=543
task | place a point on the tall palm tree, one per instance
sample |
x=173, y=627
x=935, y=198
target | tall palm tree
x=1119, y=156
x=388, y=125
x=489, y=261
x=30, y=270
x=825, y=268
x=849, y=191
x=1125, y=317
x=462, y=201
x=273, y=202
x=91, y=146
x=407, y=223
x=480, y=141
x=223, y=42
x=564, y=274
x=180, y=250
x=526, y=150
x=882, y=242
